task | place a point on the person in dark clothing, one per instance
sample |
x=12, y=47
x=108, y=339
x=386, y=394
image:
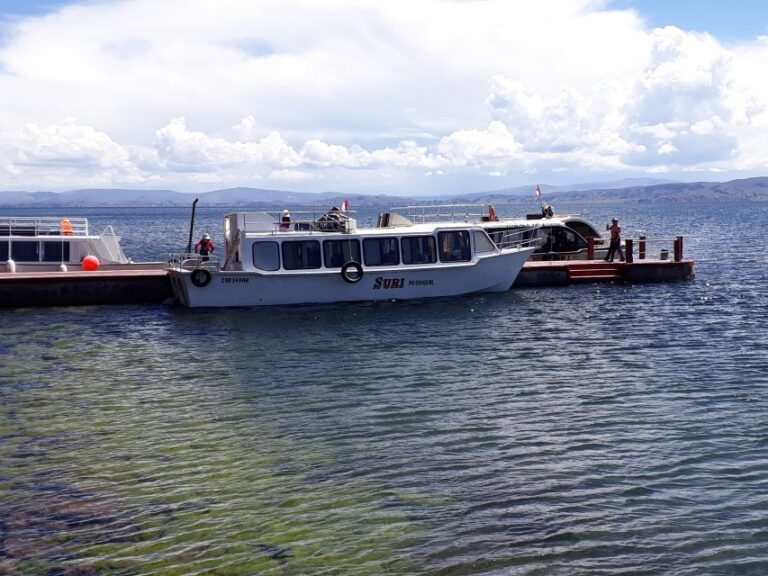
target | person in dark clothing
x=615, y=245
x=204, y=246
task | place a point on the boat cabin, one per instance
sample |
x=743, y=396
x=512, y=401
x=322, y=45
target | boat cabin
x=556, y=236
x=264, y=242
x=52, y=241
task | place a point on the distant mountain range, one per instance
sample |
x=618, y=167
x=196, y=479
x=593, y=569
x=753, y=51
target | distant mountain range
x=629, y=190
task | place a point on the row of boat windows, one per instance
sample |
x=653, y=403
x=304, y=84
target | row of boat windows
x=26, y=251
x=451, y=246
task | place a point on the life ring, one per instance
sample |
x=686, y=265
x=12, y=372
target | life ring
x=200, y=277
x=352, y=279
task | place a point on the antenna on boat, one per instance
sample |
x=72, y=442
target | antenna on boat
x=192, y=226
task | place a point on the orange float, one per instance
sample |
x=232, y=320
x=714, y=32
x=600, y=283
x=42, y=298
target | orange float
x=90, y=263
x=66, y=227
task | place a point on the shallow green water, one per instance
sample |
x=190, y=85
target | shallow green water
x=133, y=456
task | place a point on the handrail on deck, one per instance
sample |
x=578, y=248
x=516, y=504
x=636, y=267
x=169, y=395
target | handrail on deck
x=333, y=220
x=43, y=226
x=515, y=239
x=642, y=248
x=180, y=261
x=421, y=213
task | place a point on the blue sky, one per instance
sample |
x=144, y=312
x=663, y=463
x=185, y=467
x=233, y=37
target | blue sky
x=30, y=7
x=370, y=96
x=730, y=21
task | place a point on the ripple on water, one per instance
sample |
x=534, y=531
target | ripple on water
x=598, y=429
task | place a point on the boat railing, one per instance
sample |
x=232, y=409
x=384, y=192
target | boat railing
x=423, y=213
x=107, y=246
x=43, y=226
x=515, y=238
x=180, y=261
x=642, y=248
x=659, y=248
x=333, y=220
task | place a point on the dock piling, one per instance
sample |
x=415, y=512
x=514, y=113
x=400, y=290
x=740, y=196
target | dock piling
x=641, y=248
x=628, y=256
x=678, y=246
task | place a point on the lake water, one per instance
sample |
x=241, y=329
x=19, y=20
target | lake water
x=597, y=429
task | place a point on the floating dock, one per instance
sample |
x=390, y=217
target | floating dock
x=566, y=272
x=121, y=284
x=148, y=283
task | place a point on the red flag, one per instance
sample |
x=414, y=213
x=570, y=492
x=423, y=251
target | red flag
x=345, y=205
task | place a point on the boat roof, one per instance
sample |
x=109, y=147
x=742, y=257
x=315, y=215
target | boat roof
x=557, y=219
x=484, y=214
x=255, y=224
x=414, y=229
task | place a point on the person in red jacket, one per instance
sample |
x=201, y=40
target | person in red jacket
x=204, y=246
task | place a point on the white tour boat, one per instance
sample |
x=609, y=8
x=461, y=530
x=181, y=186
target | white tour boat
x=556, y=236
x=52, y=243
x=268, y=260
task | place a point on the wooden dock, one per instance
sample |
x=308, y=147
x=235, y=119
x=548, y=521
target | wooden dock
x=124, y=284
x=566, y=272
x=148, y=283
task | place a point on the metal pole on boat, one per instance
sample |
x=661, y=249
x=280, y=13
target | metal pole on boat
x=192, y=226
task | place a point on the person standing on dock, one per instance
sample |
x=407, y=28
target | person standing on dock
x=204, y=246
x=615, y=245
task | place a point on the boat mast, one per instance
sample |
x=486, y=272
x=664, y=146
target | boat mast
x=192, y=226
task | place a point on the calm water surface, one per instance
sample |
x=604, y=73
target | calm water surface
x=599, y=429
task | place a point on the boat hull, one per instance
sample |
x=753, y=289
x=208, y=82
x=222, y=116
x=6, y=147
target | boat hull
x=494, y=272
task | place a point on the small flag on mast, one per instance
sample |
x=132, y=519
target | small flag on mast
x=345, y=205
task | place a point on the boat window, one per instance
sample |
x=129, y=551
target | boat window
x=266, y=256
x=25, y=251
x=301, y=255
x=583, y=229
x=418, y=249
x=567, y=240
x=559, y=239
x=55, y=252
x=482, y=242
x=454, y=246
x=381, y=252
x=3, y=251
x=339, y=252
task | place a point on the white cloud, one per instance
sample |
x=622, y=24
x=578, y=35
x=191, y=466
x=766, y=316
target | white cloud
x=666, y=148
x=292, y=175
x=318, y=153
x=493, y=146
x=192, y=150
x=67, y=150
x=182, y=92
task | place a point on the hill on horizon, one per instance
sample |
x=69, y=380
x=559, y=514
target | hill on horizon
x=635, y=190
